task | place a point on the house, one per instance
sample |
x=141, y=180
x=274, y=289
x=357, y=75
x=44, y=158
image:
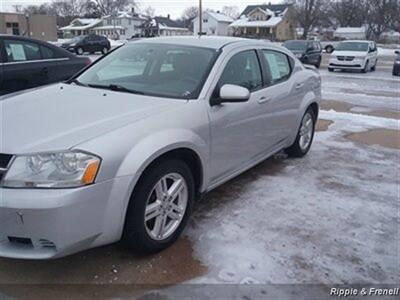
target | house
x=214, y=23
x=350, y=33
x=122, y=26
x=80, y=26
x=268, y=21
x=163, y=26
x=41, y=27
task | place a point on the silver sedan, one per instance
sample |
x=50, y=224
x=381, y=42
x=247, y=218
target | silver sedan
x=122, y=150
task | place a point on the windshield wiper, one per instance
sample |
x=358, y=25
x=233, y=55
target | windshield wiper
x=116, y=87
x=76, y=81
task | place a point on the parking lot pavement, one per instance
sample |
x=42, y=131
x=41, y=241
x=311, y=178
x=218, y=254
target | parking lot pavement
x=331, y=217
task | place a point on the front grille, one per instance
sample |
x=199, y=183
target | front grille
x=4, y=162
x=345, y=58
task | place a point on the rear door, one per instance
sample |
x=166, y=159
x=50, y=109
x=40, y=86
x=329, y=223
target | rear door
x=2, y=56
x=24, y=67
x=283, y=94
x=52, y=70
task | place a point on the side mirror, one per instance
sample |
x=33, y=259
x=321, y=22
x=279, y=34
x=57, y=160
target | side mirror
x=232, y=93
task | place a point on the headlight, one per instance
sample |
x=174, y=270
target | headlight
x=72, y=45
x=64, y=169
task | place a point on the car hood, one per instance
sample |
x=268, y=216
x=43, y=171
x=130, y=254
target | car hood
x=62, y=116
x=349, y=53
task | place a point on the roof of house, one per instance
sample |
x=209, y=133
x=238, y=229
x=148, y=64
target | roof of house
x=82, y=24
x=220, y=17
x=245, y=22
x=167, y=22
x=350, y=30
x=276, y=8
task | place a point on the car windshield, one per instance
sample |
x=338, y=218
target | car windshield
x=296, y=45
x=163, y=70
x=352, y=46
x=76, y=39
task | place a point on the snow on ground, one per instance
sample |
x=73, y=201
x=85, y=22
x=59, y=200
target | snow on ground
x=387, y=52
x=331, y=217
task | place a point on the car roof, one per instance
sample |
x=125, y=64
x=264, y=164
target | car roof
x=356, y=41
x=215, y=42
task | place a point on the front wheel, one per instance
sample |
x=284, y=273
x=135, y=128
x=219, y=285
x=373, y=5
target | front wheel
x=329, y=49
x=365, y=70
x=104, y=50
x=305, y=135
x=159, y=207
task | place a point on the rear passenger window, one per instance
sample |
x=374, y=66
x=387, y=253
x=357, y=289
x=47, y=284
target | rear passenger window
x=21, y=51
x=47, y=53
x=243, y=69
x=278, y=66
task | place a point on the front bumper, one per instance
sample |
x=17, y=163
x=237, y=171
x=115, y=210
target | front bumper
x=43, y=224
x=341, y=64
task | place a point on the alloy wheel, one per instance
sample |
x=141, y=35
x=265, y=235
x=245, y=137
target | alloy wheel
x=306, y=131
x=166, y=206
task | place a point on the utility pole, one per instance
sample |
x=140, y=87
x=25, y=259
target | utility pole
x=200, y=18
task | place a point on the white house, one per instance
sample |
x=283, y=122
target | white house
x=350, y=33
x=80, y=26
x=214, y=23
x=163, y=26
x=122, y=26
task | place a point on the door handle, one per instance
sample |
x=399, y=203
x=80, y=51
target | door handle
x=299, y=86
x=44, y=71
x=263, y=100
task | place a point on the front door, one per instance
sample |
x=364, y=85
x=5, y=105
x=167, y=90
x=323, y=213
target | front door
x=236, y=136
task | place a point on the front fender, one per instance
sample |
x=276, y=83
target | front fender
x=153, y=146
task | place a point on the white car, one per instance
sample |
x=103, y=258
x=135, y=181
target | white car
x=354, y=55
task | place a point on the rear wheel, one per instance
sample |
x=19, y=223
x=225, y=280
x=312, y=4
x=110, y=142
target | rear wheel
x=79, y=51
x=104, y=50
x=305, y=135
x=159, y=207
x=318, y=64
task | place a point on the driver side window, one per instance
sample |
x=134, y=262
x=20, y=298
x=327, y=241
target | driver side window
x=243, y=69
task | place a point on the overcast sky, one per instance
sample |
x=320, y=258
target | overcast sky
x=174, y=8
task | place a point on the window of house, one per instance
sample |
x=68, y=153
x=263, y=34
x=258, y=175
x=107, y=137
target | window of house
x=278, y=66
x=205, y=20
x=243, y=69
x=14, y=27
x=21, y=51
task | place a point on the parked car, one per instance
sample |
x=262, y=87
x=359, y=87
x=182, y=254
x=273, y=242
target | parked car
x=396, y=66
x=122, y=150
x=309, y=52
x=354, y=55
x=88, y=43
x=26, y=63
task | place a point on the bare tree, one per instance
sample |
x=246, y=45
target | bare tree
x=190, y=13
x=231, y=11
x=309, y=13
x=382, y=15
x=348, y=13
x=149, y=11
x=111, y=7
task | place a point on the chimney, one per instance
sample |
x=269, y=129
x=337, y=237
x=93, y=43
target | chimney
x=169, y=16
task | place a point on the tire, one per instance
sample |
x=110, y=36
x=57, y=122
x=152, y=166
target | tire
x=331, y=69
x=373, y=68
x=365, y=70
x=104, y=50
x=298, y=149
x=79, y=51
x=318, y=64
x=142, y=236
x=329, y=49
